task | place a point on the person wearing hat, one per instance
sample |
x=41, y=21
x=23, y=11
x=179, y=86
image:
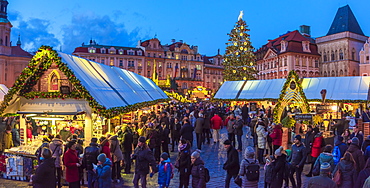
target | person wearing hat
x=103, y=171
x=297, y=160
x=126, y=141
x=324, y=180
x=365, y=144
x=56, y=147
x=339, y=149
x=357, y=133
x=278, y=167
x=232, y=163
x=197, y=170
x=147, y=159
x=357, y=154
x=249, y=159
x=261, y=141
x=324, y=157
x=90, y=157
x=45, y=173
x=165, y=171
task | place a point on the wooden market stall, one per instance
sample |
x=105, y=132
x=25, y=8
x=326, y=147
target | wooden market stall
x=57, y=89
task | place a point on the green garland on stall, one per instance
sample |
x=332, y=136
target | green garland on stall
x=292, y=74
x=42, y=61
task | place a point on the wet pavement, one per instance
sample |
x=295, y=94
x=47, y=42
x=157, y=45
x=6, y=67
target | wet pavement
x=213, y=154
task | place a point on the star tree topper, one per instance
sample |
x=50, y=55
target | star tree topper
x=240, y=15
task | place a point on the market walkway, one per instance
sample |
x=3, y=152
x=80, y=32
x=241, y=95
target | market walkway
x=214, y=156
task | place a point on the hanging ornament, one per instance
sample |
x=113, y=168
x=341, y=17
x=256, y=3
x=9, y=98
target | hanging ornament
x=237, y=53
x=251, y=64
x=234, y=71
x=235, y=44
x=245, y=43
x=242, y=27
x=241, y=48
x=244, y=68
x=241, y=34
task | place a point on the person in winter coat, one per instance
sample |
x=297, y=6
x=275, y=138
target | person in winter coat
x=144, y=158
x=324, y=157
x=165, y=138
x=6, y=139
x=357, y=133
x=71, y=162
x=216, y=124
x=324, y=179
x=245, y=113
x=117, y=157
x=104, y=147
x=186, y=131
x=339, y=149
x=357, y=154
x=90, y=157
x=232, y=163
x=261, y=141
x=207, y=128
x=183, y=163
x=104, y=171
x=56, y=148
x=197, y=171
x=175, y=128
x=199, y=124
x=278, y=168
x=347, y=167
x=276, y=136
x=365, y=144
x=164, y=171
x=297, y=160
x=308, y=142
x=16, y=137
x=249, y=158
x=230, y=129
x=365, y=173
x=126, y=147
x=239, y=131
x=316, y=148
x=269, y=168
x=45, y=173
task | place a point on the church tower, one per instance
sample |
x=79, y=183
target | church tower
x=5, y=28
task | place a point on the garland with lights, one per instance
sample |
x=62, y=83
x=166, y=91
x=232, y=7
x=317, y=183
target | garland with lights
x=239, y=59
x=293, y=76
x=42, y=61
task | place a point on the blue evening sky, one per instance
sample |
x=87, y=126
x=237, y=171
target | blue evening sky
x=66, y=24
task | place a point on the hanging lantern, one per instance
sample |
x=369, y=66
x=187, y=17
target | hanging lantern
x=242, y=27
x=241, y=34
x=251, y=64
x=245, y=43
x=235, y=44
x=234, y=71
x=244, y=68
x=241, y=48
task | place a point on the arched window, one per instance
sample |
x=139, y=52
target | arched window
x=341, y=56
x=53, y=81
x=333, y=73
x=325, y=74
x=6, y=40
x=341, y=72
x=332, y=56
x=354, y=73
x=353, y=54
x=325, y=57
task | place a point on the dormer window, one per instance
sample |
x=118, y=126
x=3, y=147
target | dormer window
x=139, y=53
x=306, y=46
x=112, y=51
x=92, y=50
x=120, y=51
x=284, y=45
x=131, y=52
x=103, y=50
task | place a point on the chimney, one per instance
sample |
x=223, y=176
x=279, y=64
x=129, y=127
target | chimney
x=305, y=30
x=173, y=40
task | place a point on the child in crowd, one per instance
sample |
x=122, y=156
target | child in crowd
x=165, y=171
x=268, y=171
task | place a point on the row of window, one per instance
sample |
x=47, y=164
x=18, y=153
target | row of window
x=113, y=51
x=333, y=56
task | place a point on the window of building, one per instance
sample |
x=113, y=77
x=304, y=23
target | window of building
x=160, y=56
x=304, y=63
x=112, y=51
x=103, y=51
x=154, y=55
x=111, y=63
x=353, y=54
x=367, y=58
x=199, y=67
x=131, y=63
x=316, y=64
x=148, y=54
x=120, y=51
x=285, y=62
x=102, y=61
x=325, y=57
x=364, y=74
x=121, y=63
x=296, y=61
x=131, y=52
x=148, y=74
x=332, y=56
x=177, y=56
x=341, y=57
x=92, y=50
x=139, y=53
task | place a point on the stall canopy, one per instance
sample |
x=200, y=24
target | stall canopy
x=3, y=91
x=355, y=88
x=112, y=86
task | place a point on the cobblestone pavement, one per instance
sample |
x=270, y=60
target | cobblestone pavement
x=214, y=156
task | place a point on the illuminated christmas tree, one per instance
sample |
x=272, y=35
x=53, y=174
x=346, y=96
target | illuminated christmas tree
x=239, y=60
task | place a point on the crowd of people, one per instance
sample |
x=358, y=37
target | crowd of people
x=154, y=136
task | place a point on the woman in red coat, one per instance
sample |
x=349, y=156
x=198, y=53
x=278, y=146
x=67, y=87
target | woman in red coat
x=316, y=148
x=104, y=145
x=276, y=136
x=72, y=163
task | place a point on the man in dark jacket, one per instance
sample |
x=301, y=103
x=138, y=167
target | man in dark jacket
x=239, y=131
x=126, y=147
x=143, y=157
x=232, y=163
x=207, y=128
x=165, y=139
x=175, y=128
x=308, y=140
x=186, y=131
x=297, y=159
x=199, y=124
x=324, y=179
x=357, y=133
x=90, y=156
x=245, y=113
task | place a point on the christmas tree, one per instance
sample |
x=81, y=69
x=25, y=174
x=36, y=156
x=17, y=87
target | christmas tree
x=239, y=60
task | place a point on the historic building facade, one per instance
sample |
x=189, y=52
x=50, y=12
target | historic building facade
x=341, y=46
x=365, y=59
x=291, y=51
x=13, y=59
x=176, y=60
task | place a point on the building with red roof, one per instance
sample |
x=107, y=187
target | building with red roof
x=291, y=51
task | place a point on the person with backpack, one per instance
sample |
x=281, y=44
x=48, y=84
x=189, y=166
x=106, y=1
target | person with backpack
x=324, y=157
x=347, y=168
x=90, y=157
x=198, y=171
x=249, y=169
x=232, y=163
x=183, y=163
x=297, y=160
x=363, y=175
x=339, y=149
x=165, y=171
x=104, y=171
x=56, y=152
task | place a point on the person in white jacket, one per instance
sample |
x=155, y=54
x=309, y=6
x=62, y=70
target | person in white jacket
x=261, y=141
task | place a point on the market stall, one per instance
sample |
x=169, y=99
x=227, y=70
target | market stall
x=59, y=92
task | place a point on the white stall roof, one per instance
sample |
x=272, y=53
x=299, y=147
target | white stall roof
x=338, y=88
x=3, y=91
x=112, y=86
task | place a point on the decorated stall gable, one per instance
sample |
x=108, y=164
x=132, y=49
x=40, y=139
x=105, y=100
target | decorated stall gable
x=47, y=64
x=292, y=92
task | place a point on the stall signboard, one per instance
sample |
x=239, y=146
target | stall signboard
x=322, y=108
x=303, y=117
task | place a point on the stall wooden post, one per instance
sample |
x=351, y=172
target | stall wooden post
x=88, y=128
x=23, y=126
x=285, y=139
